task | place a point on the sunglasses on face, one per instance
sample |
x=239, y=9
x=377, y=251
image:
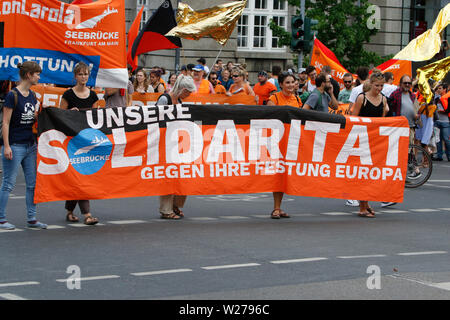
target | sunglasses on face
x=407, y=83
x=235, y=75
x=347, y=81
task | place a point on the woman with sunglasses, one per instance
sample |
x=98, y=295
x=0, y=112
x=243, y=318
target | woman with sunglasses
x=240, y=85
x=285, y=97
x=371, y=103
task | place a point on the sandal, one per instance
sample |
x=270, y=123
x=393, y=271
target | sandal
x=70, y=217
x=284, y=214
x=170, y=216
x=370, y=210
x=366, y=215
x=178, y=212
x=90, y=220
x=275, y=214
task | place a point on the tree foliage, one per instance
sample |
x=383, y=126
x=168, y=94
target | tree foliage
x=342, y=27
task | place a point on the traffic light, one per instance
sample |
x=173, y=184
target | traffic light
x=309, y=34
x=297, y=33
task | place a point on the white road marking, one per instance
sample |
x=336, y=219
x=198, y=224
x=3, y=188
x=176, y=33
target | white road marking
x=17, y=284
x=233, y=217
x=127, y=221
x=448, y=209
x=52, y=227
x=436, y=186
x=90, y=278
x=442, y=285
x=394, y=211
x=261, y=215
x=203, y=219
x=336, y=213
x=363, y=256
x=151, y=273
x=420, y=253
x=439, y=180
x=15, y=230
x=10, y=296
x=82, y=225
x=17, y=197
x=301, y=214
x=298, y=260
x=229, y=266
x=424, y=210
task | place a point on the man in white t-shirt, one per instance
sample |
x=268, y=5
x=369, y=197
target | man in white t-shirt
x=388, y=86
x=312, y=75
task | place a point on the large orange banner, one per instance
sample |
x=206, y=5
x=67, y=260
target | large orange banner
x=216, y=149
x=58, y=35
x=51, y=97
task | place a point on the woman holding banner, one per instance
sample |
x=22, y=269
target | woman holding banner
x=141, y=83
x=76, y=98
x=169, y=205
x=240, y=84
x=371, y=103
x=19, y=143
x=155, y=81
x=285, y=97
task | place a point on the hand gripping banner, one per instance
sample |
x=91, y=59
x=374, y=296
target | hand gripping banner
x=58, y=35
x=211, y=149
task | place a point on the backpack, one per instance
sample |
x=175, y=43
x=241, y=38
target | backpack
x=16, y=100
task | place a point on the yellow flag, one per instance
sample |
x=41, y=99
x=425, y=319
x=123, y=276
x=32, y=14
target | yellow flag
x=217, y=22
x=425, y=46
x=435, y=71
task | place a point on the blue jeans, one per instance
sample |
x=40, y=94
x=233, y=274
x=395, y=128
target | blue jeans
x=25, y=155
x=444, y=137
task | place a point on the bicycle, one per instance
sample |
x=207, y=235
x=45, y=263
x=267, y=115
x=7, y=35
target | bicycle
x=420, y=166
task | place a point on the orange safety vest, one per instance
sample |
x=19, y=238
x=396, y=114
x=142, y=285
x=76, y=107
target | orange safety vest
x=444, y=101
x=204, y=87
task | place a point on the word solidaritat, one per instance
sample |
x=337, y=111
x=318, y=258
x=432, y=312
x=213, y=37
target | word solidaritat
x=58, y=35
x=210, y=149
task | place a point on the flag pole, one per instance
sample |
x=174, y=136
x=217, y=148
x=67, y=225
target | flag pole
x=220, y=51
x=177, y=52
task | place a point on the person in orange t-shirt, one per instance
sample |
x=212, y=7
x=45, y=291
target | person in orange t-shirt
x=286, y=97
x=264, y=89
x=240, y=85
x=218, y=88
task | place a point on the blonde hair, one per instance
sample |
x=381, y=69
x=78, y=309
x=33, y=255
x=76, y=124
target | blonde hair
x=183, y=82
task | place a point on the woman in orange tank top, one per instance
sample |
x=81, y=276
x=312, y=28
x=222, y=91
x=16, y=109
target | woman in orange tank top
x=286, y=97
x=239, y=85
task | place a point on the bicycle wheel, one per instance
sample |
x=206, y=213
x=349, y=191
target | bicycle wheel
x=420, y=166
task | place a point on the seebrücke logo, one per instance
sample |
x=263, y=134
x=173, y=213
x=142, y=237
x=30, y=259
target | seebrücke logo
x=92, y=22
x=89, y=150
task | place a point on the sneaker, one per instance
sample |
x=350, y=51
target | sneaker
x=414, y=175
x=387, y=204
x=36, y=225
x=6, y=226
x=352, y=203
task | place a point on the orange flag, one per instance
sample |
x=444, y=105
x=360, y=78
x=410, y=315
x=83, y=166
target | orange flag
x=132, y=34
x=397, y=67
x=322, y=56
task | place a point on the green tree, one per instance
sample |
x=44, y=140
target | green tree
x=342, y=27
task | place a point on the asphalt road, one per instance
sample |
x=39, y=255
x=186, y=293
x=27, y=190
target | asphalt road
x=227, y=248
